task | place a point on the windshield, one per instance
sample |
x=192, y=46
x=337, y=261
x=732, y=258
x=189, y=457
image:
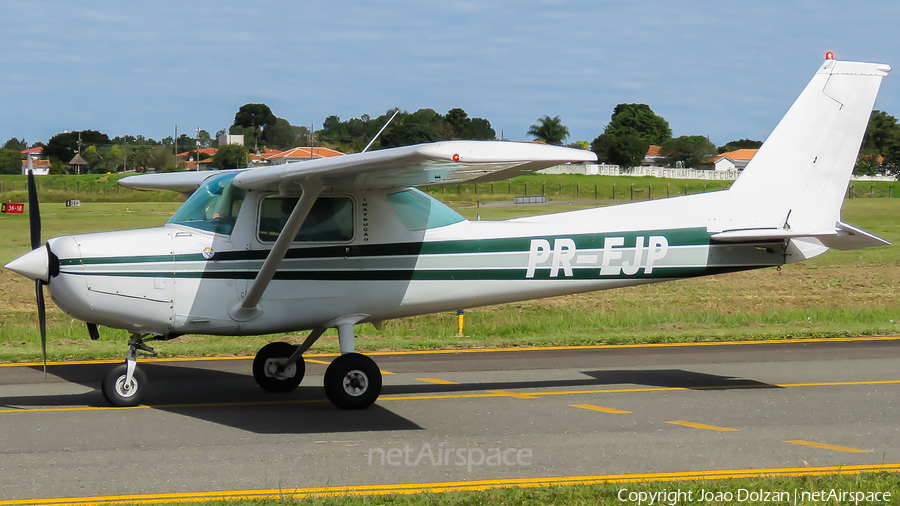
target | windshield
x=213, y=207
x=419, y=211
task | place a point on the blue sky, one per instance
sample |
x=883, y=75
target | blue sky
x=724, y=69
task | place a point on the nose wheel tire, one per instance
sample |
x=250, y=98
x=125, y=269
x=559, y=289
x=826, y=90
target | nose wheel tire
x=269, y=373
x=353, y=381
x=120, y=392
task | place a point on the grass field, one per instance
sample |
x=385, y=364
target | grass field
x=838, y=294
x=104, y=188
x=864, y=488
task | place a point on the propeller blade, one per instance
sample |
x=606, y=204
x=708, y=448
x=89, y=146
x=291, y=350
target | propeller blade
x=34, y=220
x=42, y=319
x=34, y=214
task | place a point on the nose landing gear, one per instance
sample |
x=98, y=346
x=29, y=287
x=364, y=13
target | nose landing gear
x=125, y=385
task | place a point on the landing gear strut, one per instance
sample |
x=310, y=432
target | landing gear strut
x=352, y=381
x=125, y=385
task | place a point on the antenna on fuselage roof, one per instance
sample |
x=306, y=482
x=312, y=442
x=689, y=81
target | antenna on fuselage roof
x=382, y=130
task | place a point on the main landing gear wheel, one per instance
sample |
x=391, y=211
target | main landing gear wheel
x=120, y=392
x=352, y=381
x=269, y=374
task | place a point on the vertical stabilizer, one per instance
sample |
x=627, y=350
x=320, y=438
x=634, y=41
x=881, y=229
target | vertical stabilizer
x=798, y=178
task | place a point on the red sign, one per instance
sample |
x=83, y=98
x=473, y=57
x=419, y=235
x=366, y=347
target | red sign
x=12, y=208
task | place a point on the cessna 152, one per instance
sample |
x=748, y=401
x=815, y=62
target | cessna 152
x=333, y=243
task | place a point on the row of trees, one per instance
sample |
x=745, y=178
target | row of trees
x=424, y=125
x=624, y=141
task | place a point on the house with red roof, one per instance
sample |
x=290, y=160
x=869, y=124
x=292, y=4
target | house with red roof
x=39, y=167
x=654, y=157
x=734, y=160
x=300, y=154
x=36, y=153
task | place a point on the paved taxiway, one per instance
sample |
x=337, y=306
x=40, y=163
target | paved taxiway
x=547, y=413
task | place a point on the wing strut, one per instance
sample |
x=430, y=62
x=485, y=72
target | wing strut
x=248, y=308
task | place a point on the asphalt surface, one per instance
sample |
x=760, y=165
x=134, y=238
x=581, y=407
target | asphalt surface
x=454, y=417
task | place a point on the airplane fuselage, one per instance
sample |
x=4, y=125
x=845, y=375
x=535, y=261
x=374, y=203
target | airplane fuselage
x=393, y=260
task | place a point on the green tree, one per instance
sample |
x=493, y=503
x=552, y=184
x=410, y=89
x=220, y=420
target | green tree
x=16, y=144
x=481, y=129
x=160, y=158
x=549, y=130
x=62, y=147
x=283, y=135
x=257, y=117
x=113, y=159
x=741, y=144
x=882, y=140
x=626, y=150
x=92, y=156
x=639, y=120
x=206, y=141
x=459, y=123
x=407, y=134
x=230, y=156
x=10, y=161
x=691, y=150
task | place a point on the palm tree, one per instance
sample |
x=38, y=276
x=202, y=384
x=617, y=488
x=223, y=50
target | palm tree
x=549, y=130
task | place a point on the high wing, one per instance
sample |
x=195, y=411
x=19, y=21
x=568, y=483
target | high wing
x=184, y=182
x=447, y=162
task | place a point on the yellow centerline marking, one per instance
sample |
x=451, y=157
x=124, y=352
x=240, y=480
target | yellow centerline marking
x=438, y=381
x=512, y=394
x=488, y=393
x=695, y=425
x=489, y=350
x=599, y=408
x=434, y=487
x=827, y=446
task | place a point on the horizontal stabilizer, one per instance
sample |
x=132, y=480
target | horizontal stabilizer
x=850, y=237
x=844, y=237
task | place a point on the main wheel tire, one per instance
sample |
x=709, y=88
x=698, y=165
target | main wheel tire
x=353, y=381
x=266, y=373
x=119, y=393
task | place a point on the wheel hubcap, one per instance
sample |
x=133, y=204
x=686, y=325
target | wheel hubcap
x=356, y=383
x=272, y=369
x=124, y=389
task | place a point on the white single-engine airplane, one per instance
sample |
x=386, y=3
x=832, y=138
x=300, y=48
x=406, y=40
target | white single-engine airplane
x=333, y=243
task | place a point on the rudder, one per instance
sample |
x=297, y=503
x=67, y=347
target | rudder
x=796, y=181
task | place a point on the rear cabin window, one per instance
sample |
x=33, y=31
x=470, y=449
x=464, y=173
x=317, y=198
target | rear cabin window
x=329, y=220
x=419, y=211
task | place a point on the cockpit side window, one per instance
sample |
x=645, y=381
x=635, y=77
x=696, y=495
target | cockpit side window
x=214, y=207
x=329, y=220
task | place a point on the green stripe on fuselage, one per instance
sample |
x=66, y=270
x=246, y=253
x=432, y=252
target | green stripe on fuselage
x=675, y=237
